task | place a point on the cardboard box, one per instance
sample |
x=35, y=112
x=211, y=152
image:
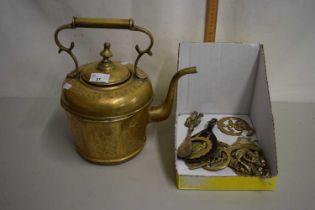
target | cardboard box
x=231, y=81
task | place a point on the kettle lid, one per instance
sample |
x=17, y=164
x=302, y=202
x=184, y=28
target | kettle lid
x=105, y=72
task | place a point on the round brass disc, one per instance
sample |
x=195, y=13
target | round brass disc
x=234, y=126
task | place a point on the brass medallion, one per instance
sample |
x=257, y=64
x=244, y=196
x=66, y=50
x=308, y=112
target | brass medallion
x=247, y=159
x=234, y=126
x=201, y=146
x=205, y=142
x=220, y=159
x=191, y=122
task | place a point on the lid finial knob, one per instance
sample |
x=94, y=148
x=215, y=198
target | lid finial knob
x=106, y=53
x=106, y=63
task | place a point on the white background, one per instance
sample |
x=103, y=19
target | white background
x=31, y=67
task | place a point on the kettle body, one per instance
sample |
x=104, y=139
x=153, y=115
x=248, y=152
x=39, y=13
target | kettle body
x=109, y=142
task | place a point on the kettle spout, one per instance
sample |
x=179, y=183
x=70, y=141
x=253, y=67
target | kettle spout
x=161, y=112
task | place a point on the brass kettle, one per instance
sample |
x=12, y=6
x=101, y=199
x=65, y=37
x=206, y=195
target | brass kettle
x=108, y=103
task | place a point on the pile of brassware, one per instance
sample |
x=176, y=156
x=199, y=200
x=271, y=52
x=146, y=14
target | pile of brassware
x=203, y=150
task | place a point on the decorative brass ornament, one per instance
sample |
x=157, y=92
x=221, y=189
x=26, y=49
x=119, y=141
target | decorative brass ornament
x=244, y=157
x=203, y=143
x=234, y=126
x=247, y=159
x=107, y=103
x=201, y=146
x=193, y=120
x=220, y=159
x=186, y=147
x=203, y=136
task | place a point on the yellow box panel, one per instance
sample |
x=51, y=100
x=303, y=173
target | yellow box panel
x=225, y=183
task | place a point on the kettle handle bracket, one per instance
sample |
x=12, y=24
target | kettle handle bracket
x=78, y=22
x=68, y=50
x=148, y=51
